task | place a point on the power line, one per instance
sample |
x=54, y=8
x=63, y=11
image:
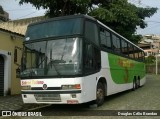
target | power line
x=20, y=9
x=153, y=21
x=27, y=14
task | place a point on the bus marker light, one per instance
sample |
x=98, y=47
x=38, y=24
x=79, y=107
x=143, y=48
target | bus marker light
x=77, y=86
x=66, y=87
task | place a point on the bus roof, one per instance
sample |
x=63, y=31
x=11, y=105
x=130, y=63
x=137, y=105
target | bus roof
x=65, y=17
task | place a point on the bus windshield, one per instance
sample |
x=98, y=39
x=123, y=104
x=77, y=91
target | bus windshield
x=54, y=28
x=52, y=58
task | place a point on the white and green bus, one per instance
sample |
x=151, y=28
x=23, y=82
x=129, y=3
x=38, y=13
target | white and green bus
x=77, y=59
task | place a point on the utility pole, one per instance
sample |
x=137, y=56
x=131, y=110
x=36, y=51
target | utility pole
x=157, y=54
x=156, y=63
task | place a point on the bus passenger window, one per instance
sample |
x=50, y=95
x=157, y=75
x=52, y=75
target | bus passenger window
x=116, y=44
x=131, y=51
x=91, y=32
x=124, y=47
x=92, y=58
x=105, y=38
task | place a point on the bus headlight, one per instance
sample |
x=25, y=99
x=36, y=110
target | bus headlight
x=25, y=87
x=66, y=87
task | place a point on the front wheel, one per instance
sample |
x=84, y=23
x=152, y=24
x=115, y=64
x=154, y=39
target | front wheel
x=100, y=94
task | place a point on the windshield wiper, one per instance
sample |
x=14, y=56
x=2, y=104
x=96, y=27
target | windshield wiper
x=52, y=62
x=41, y=62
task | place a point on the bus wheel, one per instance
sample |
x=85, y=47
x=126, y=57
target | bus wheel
x=134, y=85
x=138, y=83
x=100, y=94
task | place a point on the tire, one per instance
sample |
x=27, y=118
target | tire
x=100, y=94
x=134, y=85
x=138, y=83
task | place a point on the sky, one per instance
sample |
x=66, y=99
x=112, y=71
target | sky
x=153, y=22
x=17, y=11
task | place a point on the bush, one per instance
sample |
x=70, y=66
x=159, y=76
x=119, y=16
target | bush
x=150, y=59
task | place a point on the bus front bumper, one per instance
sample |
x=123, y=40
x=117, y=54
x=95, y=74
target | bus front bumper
x=53, y=97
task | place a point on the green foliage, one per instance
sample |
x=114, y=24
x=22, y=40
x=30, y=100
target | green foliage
x=121, y=16
x=150, y=59
x=1, y=10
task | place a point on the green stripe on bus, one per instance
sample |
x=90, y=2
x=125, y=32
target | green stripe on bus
x=123, y=69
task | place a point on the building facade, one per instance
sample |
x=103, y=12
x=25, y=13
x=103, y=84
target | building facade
x=11, y=47
x=151, y=45
x=9, y=61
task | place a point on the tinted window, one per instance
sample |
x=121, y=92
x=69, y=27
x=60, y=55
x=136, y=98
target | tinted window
x=116, y=43
x=124, y=47
x=105, y=38
x=91, y=32
x=54, y=28
x=92, y=58
x=136, y=54
x=131, y=50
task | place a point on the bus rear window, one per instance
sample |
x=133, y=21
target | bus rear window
x=54, y=28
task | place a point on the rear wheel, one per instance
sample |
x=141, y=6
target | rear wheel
x=100, y=94
x=134, y=85
x=138, y=82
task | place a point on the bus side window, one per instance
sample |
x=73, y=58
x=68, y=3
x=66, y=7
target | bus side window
x=124, y=48
x=116, y=44
x=105, y=38
x=91, y=32
x=92, y=59
x=136, y=53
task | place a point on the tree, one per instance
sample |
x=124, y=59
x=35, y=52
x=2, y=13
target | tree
x=1, y=10
x=120, y=15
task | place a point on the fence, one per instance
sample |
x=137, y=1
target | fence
x=151, y=68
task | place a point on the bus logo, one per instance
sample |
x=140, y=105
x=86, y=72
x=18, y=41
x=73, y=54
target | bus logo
x=44, y=87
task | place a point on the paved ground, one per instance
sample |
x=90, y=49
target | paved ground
x=144, y=98
x=15, y=103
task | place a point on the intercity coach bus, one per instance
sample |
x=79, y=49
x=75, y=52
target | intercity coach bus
x=77, y=59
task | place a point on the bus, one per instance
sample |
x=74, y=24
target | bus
x=77, y=59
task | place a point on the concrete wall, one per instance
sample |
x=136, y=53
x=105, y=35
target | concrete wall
x=8, y=42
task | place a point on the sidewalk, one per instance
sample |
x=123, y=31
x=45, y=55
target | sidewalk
x=15, y=103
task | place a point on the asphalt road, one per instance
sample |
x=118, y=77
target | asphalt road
x=145, y=98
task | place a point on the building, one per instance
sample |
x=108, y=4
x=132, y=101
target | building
x=9, y=61
x=151, y=45
x=11, y=46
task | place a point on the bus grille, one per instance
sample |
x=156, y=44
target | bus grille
x=47, y=97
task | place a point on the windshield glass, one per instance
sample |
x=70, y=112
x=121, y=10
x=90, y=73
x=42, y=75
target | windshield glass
x=54, y=28
x=52, y=58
